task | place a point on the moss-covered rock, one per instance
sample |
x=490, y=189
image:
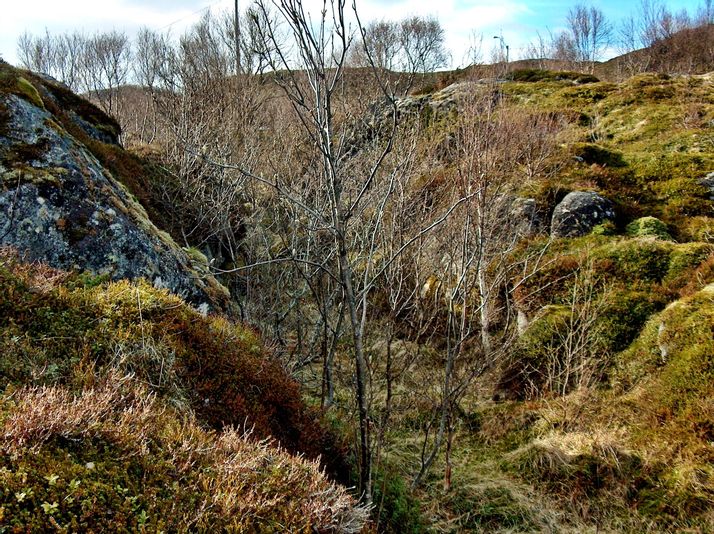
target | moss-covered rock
x=60, y=205
x=648, y=227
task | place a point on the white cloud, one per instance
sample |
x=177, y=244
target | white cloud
x=90, y=16
x=460, y=18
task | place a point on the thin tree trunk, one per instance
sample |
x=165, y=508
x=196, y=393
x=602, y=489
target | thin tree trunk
x=361, y=378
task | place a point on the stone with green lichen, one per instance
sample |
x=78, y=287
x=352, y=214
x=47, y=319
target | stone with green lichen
x=648, y=227
x=59, y=205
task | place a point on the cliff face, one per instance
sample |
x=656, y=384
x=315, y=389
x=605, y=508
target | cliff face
x=59, y=204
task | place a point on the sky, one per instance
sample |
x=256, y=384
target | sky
x=517, y=21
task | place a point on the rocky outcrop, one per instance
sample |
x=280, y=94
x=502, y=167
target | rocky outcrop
x=525, y=217
x=579, y=212
x=59, y=205
x=708, y=182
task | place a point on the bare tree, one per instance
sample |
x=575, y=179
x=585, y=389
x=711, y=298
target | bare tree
x=338, y=191
x=35, y=53
x=412, y=47
x=540, y=49
x=570, y=353
x=564, y=50
x=330, y=201
x=106, y=68
x=422, y=40
x=706, y=13
x=590, y=33
x=60, y=56
x=382, y=42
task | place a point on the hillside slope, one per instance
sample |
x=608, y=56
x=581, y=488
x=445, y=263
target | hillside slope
x=124, y=409
x=124, y=404
x=601, y=414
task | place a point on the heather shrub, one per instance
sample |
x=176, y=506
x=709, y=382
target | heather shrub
x=60, y=328
x=116, y=458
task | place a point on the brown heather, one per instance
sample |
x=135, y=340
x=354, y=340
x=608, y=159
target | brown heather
x=123, y=409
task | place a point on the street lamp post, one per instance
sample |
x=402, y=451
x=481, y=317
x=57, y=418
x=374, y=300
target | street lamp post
x=503, y=45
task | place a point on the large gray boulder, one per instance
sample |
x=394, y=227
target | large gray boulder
x=59, y=205
x=579, y=212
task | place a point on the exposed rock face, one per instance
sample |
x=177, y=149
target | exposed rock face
x=525, y=217
x=579, y=212
x=708, y=182
x=59, y=205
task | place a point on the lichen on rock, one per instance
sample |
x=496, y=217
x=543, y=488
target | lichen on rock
x=579, y=212
x=59, y=205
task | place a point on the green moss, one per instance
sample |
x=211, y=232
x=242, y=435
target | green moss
x=685, y=258
x=588, y=94
x=29, y=92
x=686, y=337
x=607, y=228
x=13, y=82
x=538, y=349
x=623, y=315
x=196, y=255
x=637, y=260
x=648, y=227
x=595, y=154
x=490, y=509
x=396, y=510
x=65, y=101
x=649, y=260
x=679, y=342
x=24, y=154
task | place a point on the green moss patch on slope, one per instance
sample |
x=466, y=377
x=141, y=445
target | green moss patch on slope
x=57, y=328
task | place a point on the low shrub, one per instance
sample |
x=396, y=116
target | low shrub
x=115, y=458
x=54, y=326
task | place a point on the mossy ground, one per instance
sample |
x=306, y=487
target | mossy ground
x=124, y=409
x=631, y=451
x=645, y=144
